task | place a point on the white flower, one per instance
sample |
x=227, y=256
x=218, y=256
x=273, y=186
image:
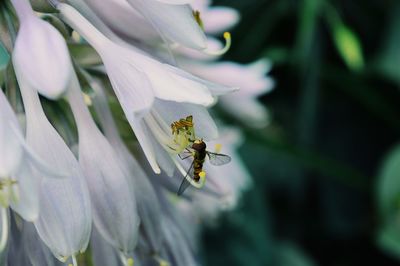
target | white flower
x=174, y=21
x=40, y=52
x=17, y=161
x=35, y=251
x=148, y=208
x=112, y=195
x=252, y=81
x=11, y=150
x=127, y=15
x=64, y=221
x=138, y=80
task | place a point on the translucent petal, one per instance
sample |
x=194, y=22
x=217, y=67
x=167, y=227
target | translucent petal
x=204, y=125
x=143, y=136
x=130, y=84
x=127, y=15
x=174, y=22
x=176, y=245
x=103, y=254
x=25, y=197
x=64, y=221
x=113, y=202
x=41, y=54
x=10, y=147
x=219, y=19
x=37, y=252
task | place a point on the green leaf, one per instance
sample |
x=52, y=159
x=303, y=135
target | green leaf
x=389, y=186
x=84, y=54
x=43, y=6
x=348, y=46
x=389, y=239
x=388, y=59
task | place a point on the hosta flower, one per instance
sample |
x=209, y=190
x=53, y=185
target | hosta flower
x=134, y=212
x=148, y=208
x=174, y=21
x=17, y=160
x=64, y=220
x=40, y=52
x=36, y=252
x=113, y=200
x=138, y=80
x=250, y=78
x=127, y=15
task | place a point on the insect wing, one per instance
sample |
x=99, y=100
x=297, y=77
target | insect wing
x=218, y=158
x=185, y=184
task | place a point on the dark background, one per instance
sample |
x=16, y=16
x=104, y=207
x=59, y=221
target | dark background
x=318, y=166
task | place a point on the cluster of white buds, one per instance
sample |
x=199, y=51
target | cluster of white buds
x=70, y=179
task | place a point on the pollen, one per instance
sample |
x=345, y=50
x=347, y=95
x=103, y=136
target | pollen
x=218, y=147
x=87, y=99
x=228, y=43
x=202, y=174
x=163, y=263
x=130, y=262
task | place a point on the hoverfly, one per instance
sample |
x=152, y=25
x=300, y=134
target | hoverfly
x=197, y=149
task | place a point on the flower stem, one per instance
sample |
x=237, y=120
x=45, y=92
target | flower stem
x=4, y=228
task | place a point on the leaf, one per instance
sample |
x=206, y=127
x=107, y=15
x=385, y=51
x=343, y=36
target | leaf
x=389, y=186
x=84, y=54
x=348, y=45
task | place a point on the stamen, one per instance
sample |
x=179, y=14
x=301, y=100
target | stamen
x=161, y=262
x=87, y=99
x=125, y=261
x=228, y=43
x=130, y=262
x=4, y=229
x=196, y=15
x=74, y=262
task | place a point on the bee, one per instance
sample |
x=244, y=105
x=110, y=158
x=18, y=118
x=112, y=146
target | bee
x=197, y=149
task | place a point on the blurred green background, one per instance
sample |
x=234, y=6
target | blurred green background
x=327, y=169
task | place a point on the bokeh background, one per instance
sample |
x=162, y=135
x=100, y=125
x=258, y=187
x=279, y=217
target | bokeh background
x=327, y=169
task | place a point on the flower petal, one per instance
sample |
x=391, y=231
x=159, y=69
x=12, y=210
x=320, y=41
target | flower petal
x=26, y=203
x=113, y=202
x=175, y=22
x=10, y=148
x=64, y=221
x=204, y=125
x=41, y=54
x=219, y=19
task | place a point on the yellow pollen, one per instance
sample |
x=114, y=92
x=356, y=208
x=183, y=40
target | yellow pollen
x=218, y=147
x=130, y=262
x=227, y=35
x=87, y=99
x=163, y=263
x=202, y=174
